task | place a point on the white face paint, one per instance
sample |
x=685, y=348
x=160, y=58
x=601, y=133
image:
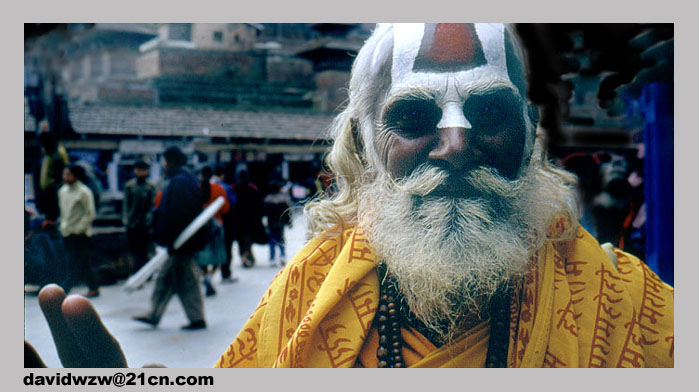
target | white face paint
x=453, y=76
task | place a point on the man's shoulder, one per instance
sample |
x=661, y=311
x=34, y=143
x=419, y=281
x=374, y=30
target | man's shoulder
x=83, y=188
x=584, y=252
x=329, y=244
x=133, y=183
x=182, y=178
x=583, y=246
x=223, y=184
x=334, y=271
x=611, y=288
x=63, y=189
x=219, y=188
x=321, y=252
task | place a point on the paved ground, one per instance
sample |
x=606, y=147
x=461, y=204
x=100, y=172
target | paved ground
x=226, y=313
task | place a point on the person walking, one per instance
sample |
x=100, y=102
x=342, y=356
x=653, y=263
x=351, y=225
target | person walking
x=248, y=217
x=179, y=205
x=276, y=208
x=139, y=198
x=219, y=178
x=213, y=254
x=53, y=162
x=77, y=211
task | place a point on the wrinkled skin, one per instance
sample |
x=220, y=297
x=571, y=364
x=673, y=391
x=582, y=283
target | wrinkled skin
x=450, y=107
x=412, y=138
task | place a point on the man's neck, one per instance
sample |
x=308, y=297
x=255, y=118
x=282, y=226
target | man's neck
x=467, y=322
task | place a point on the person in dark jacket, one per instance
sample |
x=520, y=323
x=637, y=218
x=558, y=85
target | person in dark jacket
x=139, y=196
x=55, y=159
x=247, y=214
x=179, y=205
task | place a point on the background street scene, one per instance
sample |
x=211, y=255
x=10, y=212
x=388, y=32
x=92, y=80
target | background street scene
x=226, y=312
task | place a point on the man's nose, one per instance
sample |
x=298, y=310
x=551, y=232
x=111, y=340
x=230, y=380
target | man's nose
x=453, y=147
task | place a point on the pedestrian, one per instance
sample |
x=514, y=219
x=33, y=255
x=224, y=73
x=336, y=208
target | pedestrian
x=179, y=206
x=139, y=198
x=248, y=217
x=214, y=254
x=77, y=211
x=276, y=209
x=53, y=162
x=610, y=207
x=219, y=178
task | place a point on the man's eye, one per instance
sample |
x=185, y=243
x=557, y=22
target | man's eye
x=491, y=113
x=413, y=118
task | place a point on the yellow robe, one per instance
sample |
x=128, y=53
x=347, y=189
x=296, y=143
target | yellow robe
x=574, y=309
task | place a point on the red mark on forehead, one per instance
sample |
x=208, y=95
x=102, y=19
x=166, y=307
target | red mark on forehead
x=449, y=47
x=452, y=42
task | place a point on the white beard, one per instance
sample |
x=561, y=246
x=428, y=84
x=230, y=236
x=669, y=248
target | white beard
x=449, y=255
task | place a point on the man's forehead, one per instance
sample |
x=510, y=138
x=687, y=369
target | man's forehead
x=432, y=52
x=448, y=47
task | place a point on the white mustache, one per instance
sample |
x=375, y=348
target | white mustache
x=427, y=178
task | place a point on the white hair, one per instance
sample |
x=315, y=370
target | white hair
x=439, y=249
x=352, y=159
x=449, y=255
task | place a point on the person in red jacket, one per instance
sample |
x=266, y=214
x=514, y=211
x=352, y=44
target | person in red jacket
x=214, y=254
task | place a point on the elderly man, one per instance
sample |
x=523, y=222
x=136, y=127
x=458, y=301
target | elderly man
x=451, y=241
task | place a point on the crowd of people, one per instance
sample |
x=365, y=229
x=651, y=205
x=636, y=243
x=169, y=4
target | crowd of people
x=155, y=216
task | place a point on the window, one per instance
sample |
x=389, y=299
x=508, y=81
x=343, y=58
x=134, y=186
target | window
x=179, y=31
x=218, y=36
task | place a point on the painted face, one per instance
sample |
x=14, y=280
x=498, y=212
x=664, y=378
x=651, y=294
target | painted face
x=455, y=100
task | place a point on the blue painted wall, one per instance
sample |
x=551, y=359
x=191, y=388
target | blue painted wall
x=657, y=105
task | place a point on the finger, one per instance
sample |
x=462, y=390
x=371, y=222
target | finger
x=153, y=365
x=99, y=346
x=51, y=298
x=31, y=357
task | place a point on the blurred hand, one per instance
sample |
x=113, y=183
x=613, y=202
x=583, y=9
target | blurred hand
x=82, y=341
x=31, y=357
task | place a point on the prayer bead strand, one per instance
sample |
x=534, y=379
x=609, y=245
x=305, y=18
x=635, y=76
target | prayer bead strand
x=389, y=353
x=389, y=322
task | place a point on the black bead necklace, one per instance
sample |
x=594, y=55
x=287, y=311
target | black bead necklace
x=389, y=322
x=390, y=342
